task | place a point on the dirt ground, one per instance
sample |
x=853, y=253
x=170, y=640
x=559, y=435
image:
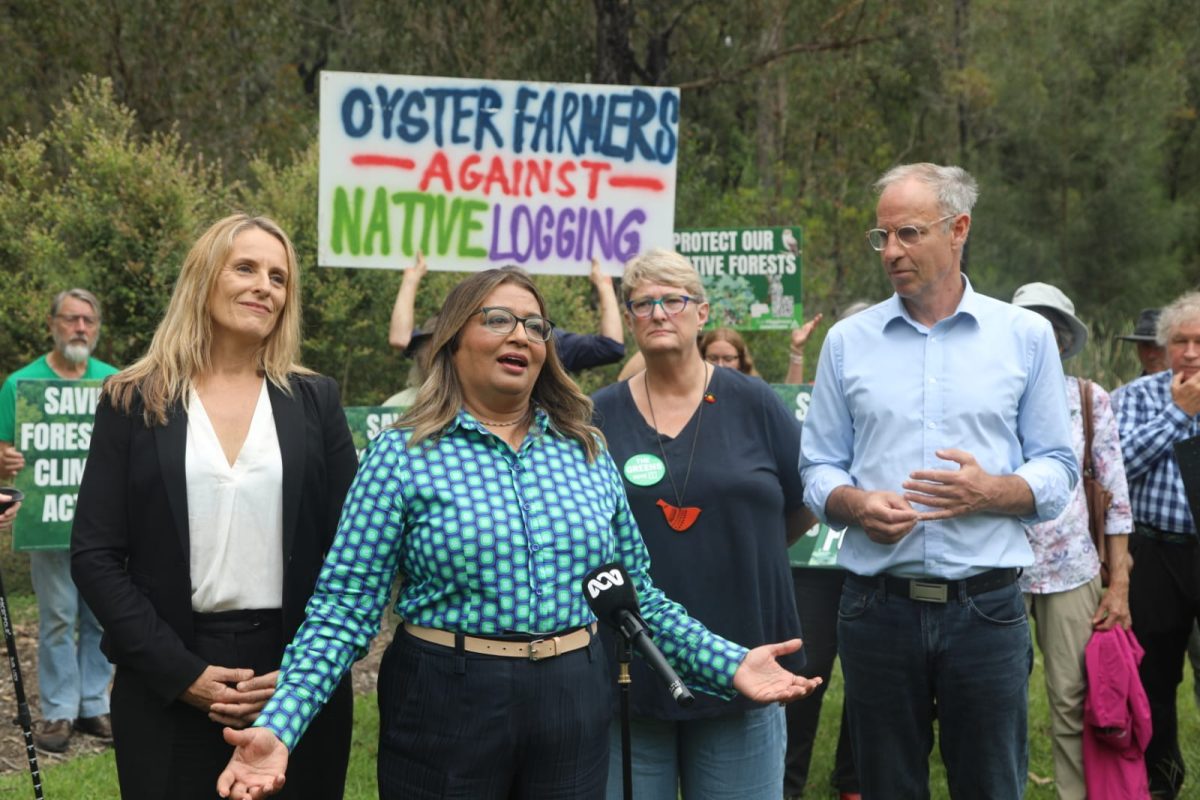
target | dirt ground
x=12, y=741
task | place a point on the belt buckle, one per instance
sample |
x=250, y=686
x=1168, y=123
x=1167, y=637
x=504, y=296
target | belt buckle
x=928, y=592
x=535, y=653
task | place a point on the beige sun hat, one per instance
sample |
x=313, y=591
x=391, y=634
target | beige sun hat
x=1051, y=302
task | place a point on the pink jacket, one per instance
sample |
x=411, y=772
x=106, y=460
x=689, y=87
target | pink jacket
x=1116, y=718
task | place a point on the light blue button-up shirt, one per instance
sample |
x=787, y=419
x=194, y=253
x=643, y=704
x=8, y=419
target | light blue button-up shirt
x=890, y=392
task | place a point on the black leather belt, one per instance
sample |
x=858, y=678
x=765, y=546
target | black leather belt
x=932, y=590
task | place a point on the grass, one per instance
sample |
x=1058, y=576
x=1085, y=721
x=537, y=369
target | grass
x=94, y=777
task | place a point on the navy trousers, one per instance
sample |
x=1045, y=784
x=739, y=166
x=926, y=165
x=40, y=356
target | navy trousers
x=479, y=727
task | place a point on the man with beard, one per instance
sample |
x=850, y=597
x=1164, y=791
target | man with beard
x=73, y=674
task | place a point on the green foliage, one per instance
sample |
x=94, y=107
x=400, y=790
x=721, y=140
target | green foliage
x=88, y=203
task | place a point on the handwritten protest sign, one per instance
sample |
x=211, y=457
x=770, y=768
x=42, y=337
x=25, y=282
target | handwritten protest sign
x=482, y=173
x=751, y=275
x=54, y=432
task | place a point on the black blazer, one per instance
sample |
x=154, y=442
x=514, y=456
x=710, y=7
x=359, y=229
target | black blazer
x=129, y=542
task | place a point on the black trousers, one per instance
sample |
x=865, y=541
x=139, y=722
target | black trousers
x=476, y=727
x=1164, y=599
x=818, y=592
x=174, y=752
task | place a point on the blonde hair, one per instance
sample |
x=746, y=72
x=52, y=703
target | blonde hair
x=662, y=266
x=182, y=343
x=745, y=360
x=441, y=396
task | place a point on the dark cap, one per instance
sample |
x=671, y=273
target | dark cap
x=420, y=337
x=1146, y=329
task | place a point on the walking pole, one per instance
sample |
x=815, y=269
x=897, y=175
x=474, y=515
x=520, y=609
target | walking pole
x=14, y=665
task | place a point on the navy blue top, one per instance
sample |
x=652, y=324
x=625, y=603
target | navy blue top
x=584, y=350
x=730, y=569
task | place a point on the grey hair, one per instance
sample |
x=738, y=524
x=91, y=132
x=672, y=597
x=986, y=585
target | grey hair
x=665, y=267
x=1182, y=309
x=956, y=190
x=78, y=294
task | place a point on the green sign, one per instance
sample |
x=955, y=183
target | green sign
x=818, y=547
x=53, y=432
x=751, y=275
x=367, y=422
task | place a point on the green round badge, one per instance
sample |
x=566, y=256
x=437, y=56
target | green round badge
x=644, y=469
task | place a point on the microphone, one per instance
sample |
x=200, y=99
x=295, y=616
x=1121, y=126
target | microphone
x=611, y=596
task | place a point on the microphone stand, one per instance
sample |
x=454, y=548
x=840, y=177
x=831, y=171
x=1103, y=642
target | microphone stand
x=624, y=657
x=23, y=717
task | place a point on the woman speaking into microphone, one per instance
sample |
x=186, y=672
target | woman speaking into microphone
x=492, y=498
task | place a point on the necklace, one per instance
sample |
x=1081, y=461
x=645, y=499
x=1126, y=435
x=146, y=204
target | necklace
x=491, y=424
x=679, y=516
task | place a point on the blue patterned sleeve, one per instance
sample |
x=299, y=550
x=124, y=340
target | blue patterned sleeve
x=700, y=656
x=350, y=594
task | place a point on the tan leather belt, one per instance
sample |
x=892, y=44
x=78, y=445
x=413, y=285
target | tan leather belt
x=536, y=650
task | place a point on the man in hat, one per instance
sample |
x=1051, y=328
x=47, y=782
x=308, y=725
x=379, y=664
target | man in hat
x=1152, y=355
x=1062, y=587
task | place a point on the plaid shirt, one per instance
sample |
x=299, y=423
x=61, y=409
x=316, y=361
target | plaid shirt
x=488, y=541
x=1150, y=424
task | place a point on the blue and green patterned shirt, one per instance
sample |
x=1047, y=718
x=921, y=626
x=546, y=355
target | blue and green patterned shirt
x=489, y=542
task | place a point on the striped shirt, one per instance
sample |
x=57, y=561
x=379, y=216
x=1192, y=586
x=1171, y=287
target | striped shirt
x=488, y=542
x=1150, y=424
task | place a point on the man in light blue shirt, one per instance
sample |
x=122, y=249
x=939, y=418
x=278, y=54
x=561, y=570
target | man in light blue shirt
x=938, y=429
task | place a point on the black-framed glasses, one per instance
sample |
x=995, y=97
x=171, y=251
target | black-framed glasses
x=501, y=321
x=906, y=235
x=672, y=304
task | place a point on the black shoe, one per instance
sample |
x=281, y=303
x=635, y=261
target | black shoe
x=100, y=727
x=52, y=735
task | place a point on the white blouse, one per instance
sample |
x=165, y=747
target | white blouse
x=235, y=513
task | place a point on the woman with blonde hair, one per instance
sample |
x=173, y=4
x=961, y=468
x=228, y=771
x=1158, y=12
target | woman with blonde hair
x=493, y=497
x=709, y=461
x=215, y=476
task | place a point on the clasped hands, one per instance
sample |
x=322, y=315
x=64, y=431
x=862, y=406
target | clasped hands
x=232, y=697
x=887, y=517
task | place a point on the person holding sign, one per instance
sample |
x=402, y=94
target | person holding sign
x=577, y=351
x=708, y=457
x=493, y=497
x=217, y=470
x=73, y=674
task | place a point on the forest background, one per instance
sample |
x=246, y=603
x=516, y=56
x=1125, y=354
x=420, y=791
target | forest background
x=132, y=124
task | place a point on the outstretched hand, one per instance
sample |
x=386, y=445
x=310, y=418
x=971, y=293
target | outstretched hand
x=417, y=270
x=761, y=678
x=257, y=766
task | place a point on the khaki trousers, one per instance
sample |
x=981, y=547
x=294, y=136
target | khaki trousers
x=1064, y=625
